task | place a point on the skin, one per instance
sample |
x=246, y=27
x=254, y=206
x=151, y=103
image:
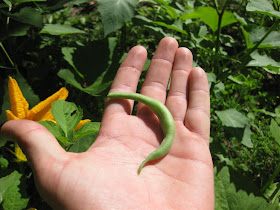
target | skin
x=165, y=118
x=105, y=177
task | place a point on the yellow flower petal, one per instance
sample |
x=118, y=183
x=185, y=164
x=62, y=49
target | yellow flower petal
x=19, y=154
x=11, y=116
x=19, y=106
x=81, y=123
x=41, y=110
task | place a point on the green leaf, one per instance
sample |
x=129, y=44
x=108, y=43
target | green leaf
x=27, y=15
x=210, y=17
x=16, y=2
x=265, y=62
x=13, y=200
x=275, y=131
x=67, y=115
x=115, y=13
x=246, y=140
x=211, y=77
x=171, y=27
x=271, y=41
x=4, y=163
x=86, y=129
x=8, y=181
x=273, y=192
x=58, y=29
x=232, y=118
x=262, y=7
x=69, y=77
x=228, y=196
x=53, y=128
x=82, y=144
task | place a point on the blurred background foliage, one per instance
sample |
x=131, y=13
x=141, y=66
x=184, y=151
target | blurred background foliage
x=46, y=44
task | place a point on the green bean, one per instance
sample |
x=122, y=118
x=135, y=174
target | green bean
x=164, y=116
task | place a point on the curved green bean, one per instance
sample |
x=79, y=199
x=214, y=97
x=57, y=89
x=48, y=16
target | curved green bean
x=164, y=116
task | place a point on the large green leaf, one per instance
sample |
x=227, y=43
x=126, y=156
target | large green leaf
x=58, y=29
x=114, y=13
x=8, y=181
x=262, y=7
x=67, y=115
x=232, y=118
x=265, y=62
x=275, y=131
x=27, y=15
x=13, y=200
x=210, y=17
x=229, y=195
x=257, y=33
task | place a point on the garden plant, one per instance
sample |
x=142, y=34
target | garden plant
x=58, y=59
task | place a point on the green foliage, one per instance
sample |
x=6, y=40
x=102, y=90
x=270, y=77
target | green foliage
x=80, y=44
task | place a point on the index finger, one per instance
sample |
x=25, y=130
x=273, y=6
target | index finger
x=126, y=79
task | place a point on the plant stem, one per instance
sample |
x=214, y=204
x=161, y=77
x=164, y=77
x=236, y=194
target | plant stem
x=244, y=57
x=6, y=53
x=271, y=179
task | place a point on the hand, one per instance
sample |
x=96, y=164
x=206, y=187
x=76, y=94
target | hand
x=105, y=177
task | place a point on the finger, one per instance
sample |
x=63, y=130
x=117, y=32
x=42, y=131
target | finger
x=37, y=143
x=177, y=97
x=126, y=80
x=158, y=74
x=198, y=113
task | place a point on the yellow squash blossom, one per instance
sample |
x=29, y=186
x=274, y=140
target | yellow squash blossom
x=40, y=112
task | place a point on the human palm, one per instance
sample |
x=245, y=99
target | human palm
x=105, y=177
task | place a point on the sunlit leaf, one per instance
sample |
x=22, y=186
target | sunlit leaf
x=58, y=29
x=262, y=7
x=210, y=17
x=232, y=118
x=265, y=62
x=115, y=13
x=67, y=115
x=246, y=140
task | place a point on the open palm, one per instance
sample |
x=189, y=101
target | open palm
x=105, y=177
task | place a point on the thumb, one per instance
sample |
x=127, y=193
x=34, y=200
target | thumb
x=38, y=144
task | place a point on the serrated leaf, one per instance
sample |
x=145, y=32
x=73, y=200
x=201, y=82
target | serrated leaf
x=86, y=129
x=82, y=144
x=275, y=131
x=232, y=118
x=13, y=200
x=262, y=7
x=8, y=181
x=227, y=196
x=58, y=29
x=210, y=17
x=115, y=13
x=67, y=115
x=53, y=128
